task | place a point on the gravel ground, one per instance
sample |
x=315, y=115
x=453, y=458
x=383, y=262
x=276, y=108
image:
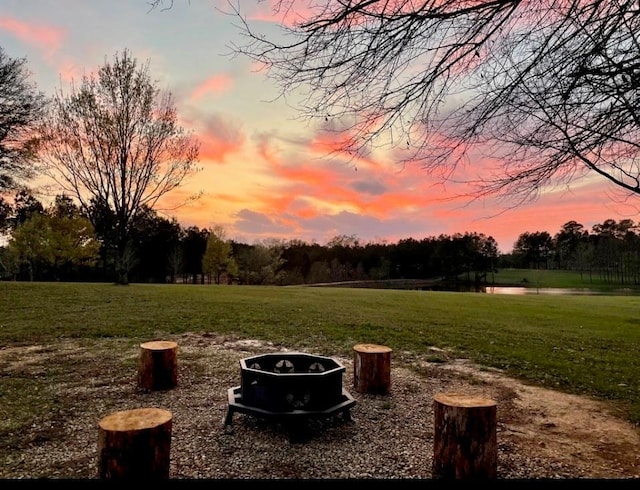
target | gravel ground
x=389, y=436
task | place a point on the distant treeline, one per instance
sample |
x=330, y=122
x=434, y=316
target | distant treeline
x=66, y=243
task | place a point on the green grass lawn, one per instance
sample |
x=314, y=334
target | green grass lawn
x=578, y=344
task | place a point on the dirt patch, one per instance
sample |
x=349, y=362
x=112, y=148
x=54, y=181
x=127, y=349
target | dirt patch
x=576, y=430
x=541, y=433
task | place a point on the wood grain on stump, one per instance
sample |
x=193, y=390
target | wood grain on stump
x=135, y=444
x=465, y=442
x=372, y=368
x=158, y=365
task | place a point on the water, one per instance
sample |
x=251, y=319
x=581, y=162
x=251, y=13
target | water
x=519, y=290
x=556, y=291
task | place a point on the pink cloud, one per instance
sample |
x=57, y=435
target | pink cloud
x=44, y=37
x=330, y=142
x=215, y=148
x=276, y=11
x=216, y=85
x=219, y=139
x=71, y=71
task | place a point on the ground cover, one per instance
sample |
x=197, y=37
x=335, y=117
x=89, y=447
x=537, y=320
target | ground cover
x=581, y=345
x=542, y=433
x=565, y=370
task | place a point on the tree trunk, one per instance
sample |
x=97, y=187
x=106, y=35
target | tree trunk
x=124, y=256
x=135, y=444
x=372, y=368
x=465, y=442
x=122, y=274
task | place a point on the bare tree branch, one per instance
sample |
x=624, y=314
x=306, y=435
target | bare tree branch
x=547, y=89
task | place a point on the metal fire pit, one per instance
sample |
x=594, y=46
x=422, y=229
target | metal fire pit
x=289, y=386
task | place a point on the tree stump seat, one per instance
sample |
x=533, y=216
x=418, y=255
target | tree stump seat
x=372, y=368
x=158, y=368
x=135, y=444
x=465, y=442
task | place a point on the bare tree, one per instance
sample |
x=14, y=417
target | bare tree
x=116, y=140
x=20, y=107
x=547, y=88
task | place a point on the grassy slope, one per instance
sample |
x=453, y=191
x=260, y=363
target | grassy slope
x=580, y=344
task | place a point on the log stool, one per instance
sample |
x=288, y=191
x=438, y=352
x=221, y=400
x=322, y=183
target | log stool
x=135, y=444
x=465, y=443
x=372, y=368
x=158, y=365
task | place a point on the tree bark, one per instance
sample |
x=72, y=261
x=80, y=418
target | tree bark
x=135, y=444
x=372, y=368
x=465, y=441
x=158, y=368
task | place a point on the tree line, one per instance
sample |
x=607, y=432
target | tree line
x=61, y=243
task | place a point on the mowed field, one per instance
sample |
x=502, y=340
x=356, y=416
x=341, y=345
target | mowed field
x=579, y=344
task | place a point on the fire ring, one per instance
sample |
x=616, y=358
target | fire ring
x=289, y=386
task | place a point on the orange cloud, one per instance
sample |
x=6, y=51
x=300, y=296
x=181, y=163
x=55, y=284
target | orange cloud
x=228, y=198
x=306, y=174
x=216, y=148
x=42, y=36
x=274, y=203
x=374, y=191
x=219, y=139
x=306, y=212
x=323, y=185
x=216, y=85
x=373, y=187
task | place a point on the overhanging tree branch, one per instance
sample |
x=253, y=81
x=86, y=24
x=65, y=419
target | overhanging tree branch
x=548, y=89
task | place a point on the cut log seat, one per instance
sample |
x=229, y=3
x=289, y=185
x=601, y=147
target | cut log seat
x=372, y=368
x=158, y=368
x=464, y=444
x=135, y=444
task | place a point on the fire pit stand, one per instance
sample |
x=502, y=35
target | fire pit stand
x=289, y=387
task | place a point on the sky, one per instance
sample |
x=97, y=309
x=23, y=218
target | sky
x=264, y=173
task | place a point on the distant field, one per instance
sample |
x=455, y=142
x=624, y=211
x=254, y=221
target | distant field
x=579, y=344
x=528, y=278
x=551, y=279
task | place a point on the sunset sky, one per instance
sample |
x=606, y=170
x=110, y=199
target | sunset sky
x=265, y=174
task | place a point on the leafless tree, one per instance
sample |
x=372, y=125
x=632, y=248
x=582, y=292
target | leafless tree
x=116, y=140
x=20, y=107
x=547, y=88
